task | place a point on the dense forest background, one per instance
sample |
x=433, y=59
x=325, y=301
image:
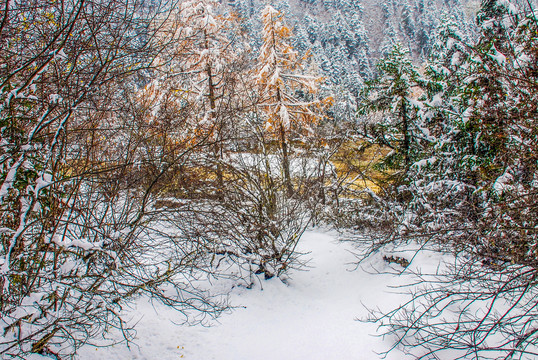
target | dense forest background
x=146, y=144
x=347, y=38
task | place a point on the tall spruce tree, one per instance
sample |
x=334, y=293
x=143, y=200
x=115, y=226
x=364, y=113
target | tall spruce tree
x=392, y=95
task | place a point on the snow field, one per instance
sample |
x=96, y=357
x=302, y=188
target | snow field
x=313, y=317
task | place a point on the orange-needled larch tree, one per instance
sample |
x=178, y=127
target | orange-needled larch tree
x=210, y=67
x=203, y=81
x=285, y=90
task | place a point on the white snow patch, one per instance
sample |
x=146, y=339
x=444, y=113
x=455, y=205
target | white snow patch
x=497, y=56
x=80, y=243
x=42, y=182
x=284, y=117
x=55, y=98
x=503, y=182
x=424, y=163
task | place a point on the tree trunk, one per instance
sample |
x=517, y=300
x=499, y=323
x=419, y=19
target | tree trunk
x=217, y=148
x=406, y=143
x=285, y=160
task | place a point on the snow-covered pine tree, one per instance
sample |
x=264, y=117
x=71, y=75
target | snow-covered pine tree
x=393, y=95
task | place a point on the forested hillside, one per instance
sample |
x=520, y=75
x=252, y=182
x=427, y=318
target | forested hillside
x=347, y=38
x=149, y=148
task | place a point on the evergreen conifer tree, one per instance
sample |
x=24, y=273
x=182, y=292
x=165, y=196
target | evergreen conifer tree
x=392, y=94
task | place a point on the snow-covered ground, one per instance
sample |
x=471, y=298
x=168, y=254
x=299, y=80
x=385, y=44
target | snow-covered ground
x=312, y=317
